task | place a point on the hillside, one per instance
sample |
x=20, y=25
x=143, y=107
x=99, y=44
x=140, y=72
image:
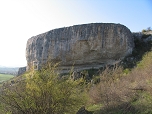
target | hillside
x=124, y=91
x=124, y=88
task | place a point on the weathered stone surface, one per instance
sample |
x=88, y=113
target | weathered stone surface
x=21, y=70
x=84, y=46
x=143, y=36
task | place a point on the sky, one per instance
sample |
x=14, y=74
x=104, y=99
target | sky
x=22, y=19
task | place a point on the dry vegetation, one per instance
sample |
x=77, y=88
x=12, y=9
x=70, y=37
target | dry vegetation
x=119, y=91
x=122, y=93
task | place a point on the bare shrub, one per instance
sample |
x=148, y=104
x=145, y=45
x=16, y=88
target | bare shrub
x=128, y=92
x=105, y=91
x=112, y=90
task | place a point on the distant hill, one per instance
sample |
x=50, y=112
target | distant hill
x=8, y=70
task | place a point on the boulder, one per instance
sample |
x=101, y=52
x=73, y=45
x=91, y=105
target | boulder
x=82, y=46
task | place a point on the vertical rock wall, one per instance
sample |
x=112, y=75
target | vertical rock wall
x=82, y=45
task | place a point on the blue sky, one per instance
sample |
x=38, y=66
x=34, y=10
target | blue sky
x=22, y=19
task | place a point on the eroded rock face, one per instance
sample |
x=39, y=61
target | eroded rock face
x=21, y=70
x=87, y=45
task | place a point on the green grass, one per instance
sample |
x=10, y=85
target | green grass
x=5, y=77
x=95, y=108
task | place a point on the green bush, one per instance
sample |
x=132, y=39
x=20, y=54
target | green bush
x=143, y=30
x=43, y=92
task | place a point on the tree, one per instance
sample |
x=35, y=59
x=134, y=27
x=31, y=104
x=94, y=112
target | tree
x=42, y=92
x=143, y=30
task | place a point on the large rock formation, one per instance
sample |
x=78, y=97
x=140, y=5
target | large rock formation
x=84, y=46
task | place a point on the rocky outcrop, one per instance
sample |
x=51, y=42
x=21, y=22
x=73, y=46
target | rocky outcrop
x=21, y=70
x=143, y=36
x=84, y=46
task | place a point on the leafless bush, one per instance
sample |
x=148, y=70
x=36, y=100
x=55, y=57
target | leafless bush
x=111, y=91
x=117, y=88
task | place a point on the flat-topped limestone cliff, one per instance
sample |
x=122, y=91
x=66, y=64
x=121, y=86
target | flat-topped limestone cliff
x=87, y=45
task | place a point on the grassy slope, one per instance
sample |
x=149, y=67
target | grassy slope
x=137, y=85
x=5, y=77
